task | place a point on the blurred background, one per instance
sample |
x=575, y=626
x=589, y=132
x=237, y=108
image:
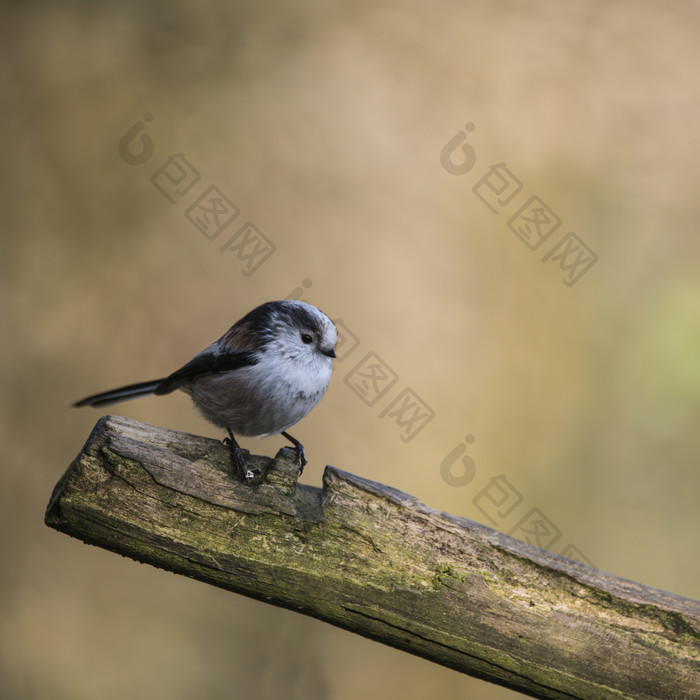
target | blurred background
x=570, y=387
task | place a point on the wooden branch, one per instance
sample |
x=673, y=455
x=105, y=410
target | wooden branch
x=377, y=562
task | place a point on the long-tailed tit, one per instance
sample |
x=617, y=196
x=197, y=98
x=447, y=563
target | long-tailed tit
x=261, y=377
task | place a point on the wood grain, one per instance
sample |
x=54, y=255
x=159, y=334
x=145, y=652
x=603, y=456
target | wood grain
x=376, y=561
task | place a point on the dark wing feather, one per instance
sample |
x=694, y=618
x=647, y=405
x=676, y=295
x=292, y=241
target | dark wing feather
x=206, y=363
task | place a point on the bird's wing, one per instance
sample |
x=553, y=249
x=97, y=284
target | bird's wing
x=212, y=360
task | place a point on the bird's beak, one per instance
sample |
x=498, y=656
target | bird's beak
x=329, y=353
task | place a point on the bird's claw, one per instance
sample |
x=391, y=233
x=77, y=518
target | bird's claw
x=301, y=458
x=239, y=463
x=298, y=450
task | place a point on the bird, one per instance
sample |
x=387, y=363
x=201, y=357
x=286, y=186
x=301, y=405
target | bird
x=262, y=376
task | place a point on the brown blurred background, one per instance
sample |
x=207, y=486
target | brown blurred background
x=324, y=124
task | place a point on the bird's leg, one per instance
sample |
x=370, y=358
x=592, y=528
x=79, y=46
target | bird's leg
x=299, y=448
x=237, y=457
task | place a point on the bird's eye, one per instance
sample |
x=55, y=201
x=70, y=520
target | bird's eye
x=306, y=338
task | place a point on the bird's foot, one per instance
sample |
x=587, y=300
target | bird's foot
x=299, y=449
x=239, y=463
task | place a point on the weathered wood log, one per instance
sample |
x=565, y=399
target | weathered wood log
x=377, y=562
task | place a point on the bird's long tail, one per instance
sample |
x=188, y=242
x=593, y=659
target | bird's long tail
x=132, y=391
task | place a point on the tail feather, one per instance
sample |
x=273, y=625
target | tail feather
x=132, y=391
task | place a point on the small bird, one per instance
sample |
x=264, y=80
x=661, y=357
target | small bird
x=261, y=377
